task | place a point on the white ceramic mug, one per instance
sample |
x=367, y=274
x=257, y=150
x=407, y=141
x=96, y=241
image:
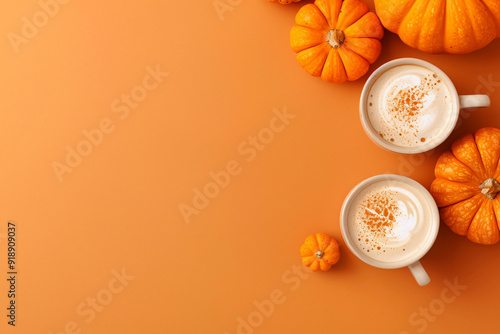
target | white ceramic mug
x=424, y=240
x=458, y=102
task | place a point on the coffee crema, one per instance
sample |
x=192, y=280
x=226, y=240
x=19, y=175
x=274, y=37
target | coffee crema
x=409, y=105
x=388, y=222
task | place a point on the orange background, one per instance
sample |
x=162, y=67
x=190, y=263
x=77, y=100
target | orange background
x=119, y=207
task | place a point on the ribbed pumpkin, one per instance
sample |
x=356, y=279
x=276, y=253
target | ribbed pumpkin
x=320, y=252
x=442, y=26
x=466, y=186
x=335, y=39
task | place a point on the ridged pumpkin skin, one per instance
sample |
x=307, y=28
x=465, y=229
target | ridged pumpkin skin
x=442, y=26
x=337, y=40
x=320, y=252
x=283, y=2
x=466, y=189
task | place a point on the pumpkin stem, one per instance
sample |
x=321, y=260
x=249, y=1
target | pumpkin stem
x=319, y=254
x=490, y=188
x=335, y=38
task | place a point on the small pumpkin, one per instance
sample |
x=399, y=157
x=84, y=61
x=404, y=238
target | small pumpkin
x=467, y=185
x=337, y=40
x=320, y=252
x=284, y=2
x=442, y=26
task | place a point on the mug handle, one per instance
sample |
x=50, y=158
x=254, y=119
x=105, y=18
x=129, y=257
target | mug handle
x=419, y=273
x=474, y=101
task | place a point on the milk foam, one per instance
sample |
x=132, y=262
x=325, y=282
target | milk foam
x=409, y=105
x=387, y=221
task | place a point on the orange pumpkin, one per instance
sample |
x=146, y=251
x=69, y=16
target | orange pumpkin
x=442, y=26
x=466, y=186
x=320, y=252
x=335, y=39
x=284, y=2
